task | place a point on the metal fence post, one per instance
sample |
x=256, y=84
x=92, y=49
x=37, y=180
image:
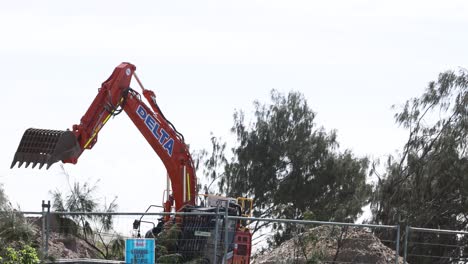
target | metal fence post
x=43, y=246
x=215, y=257
x=47, y=230
x=397, y=250
x=405, y=250
x=226, y=227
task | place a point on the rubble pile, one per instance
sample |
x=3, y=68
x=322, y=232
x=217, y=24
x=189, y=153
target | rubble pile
x=328, y=244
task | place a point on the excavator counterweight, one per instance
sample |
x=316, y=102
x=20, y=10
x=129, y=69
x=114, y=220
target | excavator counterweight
x=44, y=146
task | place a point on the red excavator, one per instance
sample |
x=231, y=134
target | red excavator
x=45, y=147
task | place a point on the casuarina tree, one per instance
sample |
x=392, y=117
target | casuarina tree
x=291, y=166
x=426, y=185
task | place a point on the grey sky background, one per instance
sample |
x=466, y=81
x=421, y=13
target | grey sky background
x=352, y=60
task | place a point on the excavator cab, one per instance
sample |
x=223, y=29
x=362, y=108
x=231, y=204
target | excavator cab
x=45, y=147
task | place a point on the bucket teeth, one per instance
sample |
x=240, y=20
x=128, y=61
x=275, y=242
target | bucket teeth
x=45, y=147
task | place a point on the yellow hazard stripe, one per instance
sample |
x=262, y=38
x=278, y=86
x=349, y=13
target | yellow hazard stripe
x=103, y=123
x=188, y=186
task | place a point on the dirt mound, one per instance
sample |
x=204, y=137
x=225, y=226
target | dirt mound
x=327, y=244
x=62, y=246
x=69, y=247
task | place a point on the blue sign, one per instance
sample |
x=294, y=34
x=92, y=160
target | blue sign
x=139, y=251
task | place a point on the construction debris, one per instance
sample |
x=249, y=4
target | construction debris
x=328, y=244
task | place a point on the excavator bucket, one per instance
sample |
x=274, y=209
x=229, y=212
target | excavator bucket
x=44, y=146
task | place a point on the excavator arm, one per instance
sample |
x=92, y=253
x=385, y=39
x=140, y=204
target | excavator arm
x=45, y=147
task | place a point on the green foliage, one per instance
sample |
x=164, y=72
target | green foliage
x=289, y=165
x=214, y=164
x=171, y=258
x=426, y=185
x=24, y=255
x=168, y=238
x=117, y=248
x=308, y=215
x=29, y=255
x=80, y=199
x=11, y=256
x=306, y=241
x=160, y=250
x=16, y=235
x=198, y=261
x=4, y=203
x=14, y=227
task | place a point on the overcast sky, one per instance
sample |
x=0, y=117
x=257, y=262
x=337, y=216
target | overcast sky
x=352, y=60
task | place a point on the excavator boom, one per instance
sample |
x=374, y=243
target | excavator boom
x=45, y=147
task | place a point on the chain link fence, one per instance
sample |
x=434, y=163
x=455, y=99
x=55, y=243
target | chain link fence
x=208, y=238
x=424, y=245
